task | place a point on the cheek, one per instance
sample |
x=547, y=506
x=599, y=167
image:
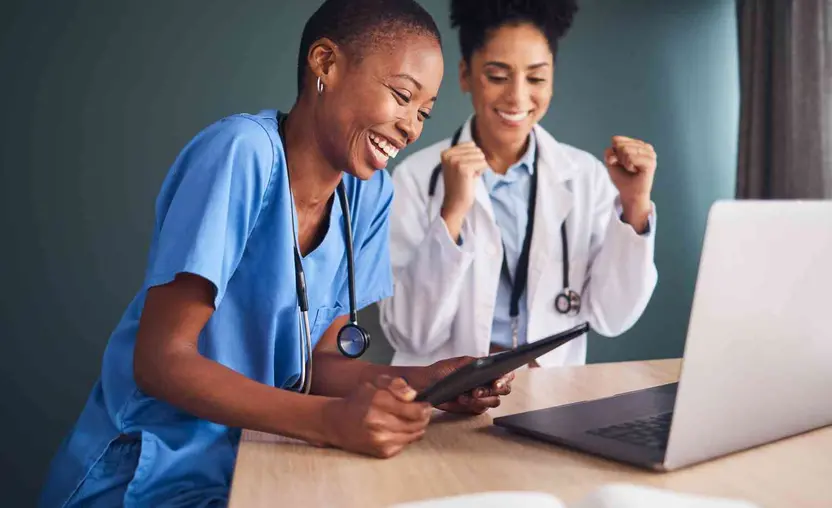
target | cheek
x=541, y=100
x=485, y=95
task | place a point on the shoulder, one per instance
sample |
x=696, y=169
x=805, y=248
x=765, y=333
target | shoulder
x=242, y=133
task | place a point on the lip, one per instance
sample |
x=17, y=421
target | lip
x=378, y=160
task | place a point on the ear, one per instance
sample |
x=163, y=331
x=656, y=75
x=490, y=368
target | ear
x=464, y=76
x=321, y=59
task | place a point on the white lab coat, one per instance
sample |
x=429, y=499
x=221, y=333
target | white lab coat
x=444, y=294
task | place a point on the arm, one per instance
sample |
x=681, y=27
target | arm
x=167, y=365
x=428, y=267
x=205, y=214
x=622, y=273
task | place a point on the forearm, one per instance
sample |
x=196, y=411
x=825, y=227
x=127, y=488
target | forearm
x=211, y=391
x=335, y=375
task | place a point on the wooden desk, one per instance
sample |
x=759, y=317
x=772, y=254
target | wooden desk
x=459, y=456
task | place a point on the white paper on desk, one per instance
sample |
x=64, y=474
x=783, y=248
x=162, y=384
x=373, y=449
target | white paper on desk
x=489, y=500
x=609, y=496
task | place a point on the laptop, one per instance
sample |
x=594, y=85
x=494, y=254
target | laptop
x=757, y=363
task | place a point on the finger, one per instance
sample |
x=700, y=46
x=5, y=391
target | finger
x=464, y=150
x=468, y=159
x=502, y=386
x=412, y=411
x=610, y=158
x=391, y=443
x=478, y=405
x=380, y=420
x=638, y=163
x=397, y=386
x=617, y=140
x=474, y=168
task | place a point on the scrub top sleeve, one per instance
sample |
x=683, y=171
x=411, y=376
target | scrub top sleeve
x=210, y=202
x=373, y=273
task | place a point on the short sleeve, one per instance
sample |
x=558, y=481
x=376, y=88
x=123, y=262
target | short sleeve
x=373, y=273
x=210, y=202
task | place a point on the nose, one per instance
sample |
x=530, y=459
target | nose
x=517, y=92
x=410, y=127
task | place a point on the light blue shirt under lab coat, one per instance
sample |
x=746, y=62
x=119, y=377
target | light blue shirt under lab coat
x=510, y=199
x=223, y=213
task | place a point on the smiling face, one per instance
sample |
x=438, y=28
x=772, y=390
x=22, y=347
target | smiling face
x=510, y=81
x=374, y=106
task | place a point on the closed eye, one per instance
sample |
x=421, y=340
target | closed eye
x=401, y=97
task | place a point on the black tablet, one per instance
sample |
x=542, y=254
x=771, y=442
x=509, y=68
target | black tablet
x=483, y=371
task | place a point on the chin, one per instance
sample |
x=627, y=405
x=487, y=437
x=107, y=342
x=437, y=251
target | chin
x=361, y=171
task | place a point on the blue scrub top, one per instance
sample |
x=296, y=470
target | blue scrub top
x=224, y=213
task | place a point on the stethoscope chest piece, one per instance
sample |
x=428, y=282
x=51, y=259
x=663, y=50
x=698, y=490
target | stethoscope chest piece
x=568, y=302
x=353, y=340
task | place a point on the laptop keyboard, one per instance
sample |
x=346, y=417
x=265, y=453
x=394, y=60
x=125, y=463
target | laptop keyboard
x=652, y=432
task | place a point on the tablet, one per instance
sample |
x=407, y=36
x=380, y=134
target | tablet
x=483, y=371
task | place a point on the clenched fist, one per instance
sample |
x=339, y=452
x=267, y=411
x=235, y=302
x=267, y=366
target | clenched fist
x=462, y=165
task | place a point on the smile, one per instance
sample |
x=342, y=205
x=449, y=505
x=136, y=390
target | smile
x=383, y=145
x=513, y=116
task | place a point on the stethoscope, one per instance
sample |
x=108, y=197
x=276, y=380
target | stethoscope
x=568, y=301
x=353, y=340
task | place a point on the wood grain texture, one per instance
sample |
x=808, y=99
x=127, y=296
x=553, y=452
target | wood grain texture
x=466, y=455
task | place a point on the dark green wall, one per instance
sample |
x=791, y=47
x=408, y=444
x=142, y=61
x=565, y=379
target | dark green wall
x=99, y=96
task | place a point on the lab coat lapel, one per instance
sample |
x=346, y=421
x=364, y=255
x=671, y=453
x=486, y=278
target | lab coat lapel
x=554, y=202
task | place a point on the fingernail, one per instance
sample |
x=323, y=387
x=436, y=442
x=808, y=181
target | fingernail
x=500, y=385
x=479, y=393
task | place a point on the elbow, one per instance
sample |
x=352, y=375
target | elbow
x=148, y=372
x=153, y=371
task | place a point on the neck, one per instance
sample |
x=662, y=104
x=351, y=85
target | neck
x=499, y=154
x=312, y=177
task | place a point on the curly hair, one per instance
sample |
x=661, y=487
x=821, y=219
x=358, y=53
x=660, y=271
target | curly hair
x=477, y=19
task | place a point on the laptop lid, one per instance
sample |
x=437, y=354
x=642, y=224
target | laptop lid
x=758, y=354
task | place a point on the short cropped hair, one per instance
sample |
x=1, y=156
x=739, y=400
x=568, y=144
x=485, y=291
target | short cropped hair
x=359, y=25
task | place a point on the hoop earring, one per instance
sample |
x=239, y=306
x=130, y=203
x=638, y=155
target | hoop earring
x=320, y=86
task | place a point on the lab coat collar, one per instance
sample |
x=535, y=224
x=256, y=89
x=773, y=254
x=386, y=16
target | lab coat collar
x=554, y=201
x=557, y=165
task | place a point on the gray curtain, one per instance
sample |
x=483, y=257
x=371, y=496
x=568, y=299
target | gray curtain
x=785, y=145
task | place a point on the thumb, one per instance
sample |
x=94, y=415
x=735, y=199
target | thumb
x=398, y=387
x=610, y=159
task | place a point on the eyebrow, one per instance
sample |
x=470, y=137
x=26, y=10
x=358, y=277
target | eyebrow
x=412, y=80
x=503, y=65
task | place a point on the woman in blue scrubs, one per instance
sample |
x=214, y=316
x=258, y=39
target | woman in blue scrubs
x=211, y=344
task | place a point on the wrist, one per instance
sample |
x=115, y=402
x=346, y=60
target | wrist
x=309, y=422
x=453, y=221
x=636, y=212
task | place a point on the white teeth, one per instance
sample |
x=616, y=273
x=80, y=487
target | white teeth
x=383, y=146
x=513, y=117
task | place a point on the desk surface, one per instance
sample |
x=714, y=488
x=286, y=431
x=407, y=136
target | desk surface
x=467, y=455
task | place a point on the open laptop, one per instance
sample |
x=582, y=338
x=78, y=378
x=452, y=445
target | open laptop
x=758, y=355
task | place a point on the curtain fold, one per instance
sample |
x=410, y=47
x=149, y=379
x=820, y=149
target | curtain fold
x=785, y=135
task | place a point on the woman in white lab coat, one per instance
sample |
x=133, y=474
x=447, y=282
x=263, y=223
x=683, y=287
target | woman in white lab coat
x=501, y=235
